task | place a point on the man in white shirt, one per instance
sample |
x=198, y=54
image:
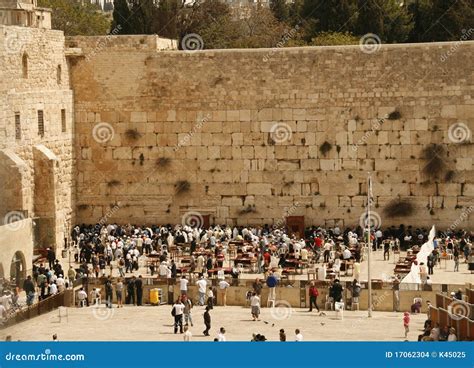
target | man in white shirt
x=199, y=263
x=61, y=283
x=202, y=284
x=255, y=306
x=53, y=289
x=178, y=310
x=304, y=254
x=298, y=335
x=327, y=251
x=82, y=296
x=223, y=286
x=163, y=271
x=221, y=335
x=346, y=254
x=183, y=285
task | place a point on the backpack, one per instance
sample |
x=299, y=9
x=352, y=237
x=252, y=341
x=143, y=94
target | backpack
x=173, y=312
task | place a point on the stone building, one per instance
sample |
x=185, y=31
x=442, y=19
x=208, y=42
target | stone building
x=24, y=13
x=36, y=134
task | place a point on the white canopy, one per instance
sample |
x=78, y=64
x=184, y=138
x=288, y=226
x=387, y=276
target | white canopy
x=412, y=280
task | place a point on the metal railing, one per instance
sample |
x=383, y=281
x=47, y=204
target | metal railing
x=36, y=309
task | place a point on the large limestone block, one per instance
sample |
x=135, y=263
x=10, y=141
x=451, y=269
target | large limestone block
x=448, y=111
x=259, y=189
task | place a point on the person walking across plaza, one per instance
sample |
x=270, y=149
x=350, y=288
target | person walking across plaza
x=456, y=259
x=188, y=305
x=177, y=313
x=221, y=335
x=313, y=297
x=139, y=290
x=119, y=292
x=183, y=285
x=386, y=250
x=406, y=323
x=207, y=321
x=108, y=293
x=272, y=282
x=223, y=286
x=255, y=306
x=210, y=298
x=201, y=284
x=130, y=292
x=29, y=289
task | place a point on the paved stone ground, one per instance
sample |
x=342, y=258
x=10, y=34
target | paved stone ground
x=156, y=324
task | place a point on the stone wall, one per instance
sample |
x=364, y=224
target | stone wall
x=211, y=113
x=260, y=134
x=36, y=169
x=16, y=240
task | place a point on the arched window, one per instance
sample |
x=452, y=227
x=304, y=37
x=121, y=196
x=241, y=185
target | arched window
x=24, y=64
x=58, y=74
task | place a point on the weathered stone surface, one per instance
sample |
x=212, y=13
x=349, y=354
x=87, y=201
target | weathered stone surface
x=222, y=139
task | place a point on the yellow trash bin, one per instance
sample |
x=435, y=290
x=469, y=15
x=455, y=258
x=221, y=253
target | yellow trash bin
x=155, y=296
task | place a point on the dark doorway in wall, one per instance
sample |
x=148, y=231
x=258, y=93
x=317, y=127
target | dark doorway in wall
x=295, y=225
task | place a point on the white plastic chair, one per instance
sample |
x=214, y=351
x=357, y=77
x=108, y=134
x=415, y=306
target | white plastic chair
x=329, y=302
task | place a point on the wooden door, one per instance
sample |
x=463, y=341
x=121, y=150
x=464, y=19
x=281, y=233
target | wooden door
x=206, y=221
x=295, y=225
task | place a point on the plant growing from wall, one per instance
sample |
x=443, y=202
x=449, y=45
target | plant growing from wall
x=113, y=183
x=248, y=209
x=394, y=115
x=182, y=186
x=434, y=162
x=133, y=134
x=449, y=176
x=325, y=148
x=82, y=207
x=398, y=208
x=163, y=162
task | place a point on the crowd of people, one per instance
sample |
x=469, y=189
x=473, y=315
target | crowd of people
x=103, y=251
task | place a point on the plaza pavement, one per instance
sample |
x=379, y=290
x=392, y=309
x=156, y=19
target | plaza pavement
x=150, y=323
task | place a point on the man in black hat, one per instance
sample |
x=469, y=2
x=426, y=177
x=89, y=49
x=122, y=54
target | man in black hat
x=139, y=290
x=207, y=321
